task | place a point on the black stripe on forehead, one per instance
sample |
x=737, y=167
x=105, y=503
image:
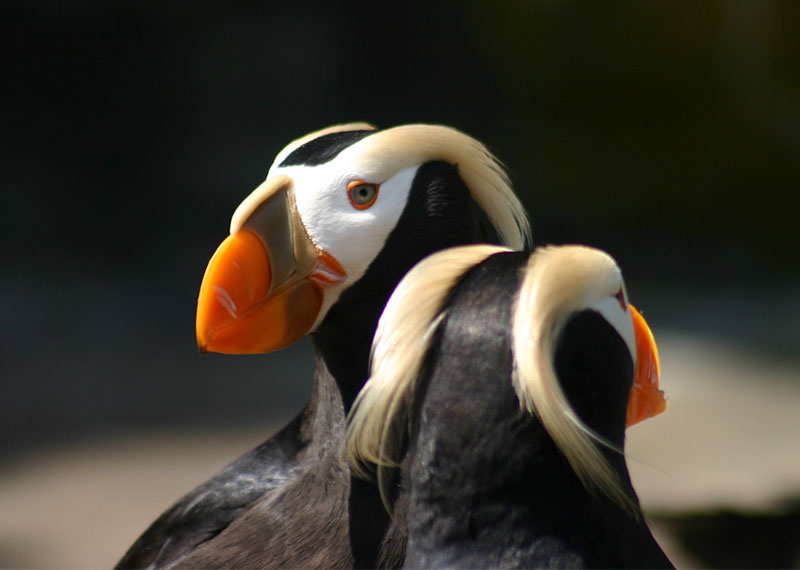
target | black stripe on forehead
x=324, y=148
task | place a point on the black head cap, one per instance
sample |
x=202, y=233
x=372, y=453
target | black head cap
x=323, y=149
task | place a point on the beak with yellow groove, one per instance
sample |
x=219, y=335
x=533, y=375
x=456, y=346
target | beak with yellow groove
x=263, y=287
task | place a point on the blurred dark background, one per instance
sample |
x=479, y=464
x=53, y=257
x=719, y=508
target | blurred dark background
x=667, y=132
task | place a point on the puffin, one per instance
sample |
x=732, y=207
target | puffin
x=317, y=249
x=494, y=418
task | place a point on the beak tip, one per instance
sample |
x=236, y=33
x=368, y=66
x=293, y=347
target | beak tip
x=203, y=336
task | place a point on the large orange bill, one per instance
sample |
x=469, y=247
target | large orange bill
x=236, y=311
x=646, y=400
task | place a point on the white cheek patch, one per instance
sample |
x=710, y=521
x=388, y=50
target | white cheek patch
x=621, y=320
x=354, y=237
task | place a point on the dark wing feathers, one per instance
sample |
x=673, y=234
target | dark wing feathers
x=203, y=513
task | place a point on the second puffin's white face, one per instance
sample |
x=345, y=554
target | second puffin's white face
x=612, y=303
x=352, y=232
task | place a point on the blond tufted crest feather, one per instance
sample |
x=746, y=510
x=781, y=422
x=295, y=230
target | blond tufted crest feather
x=388, y=151
x=559, y=281
x=401, y=342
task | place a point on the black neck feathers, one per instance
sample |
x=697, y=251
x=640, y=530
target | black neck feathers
x=595, y=371
x=440, y=213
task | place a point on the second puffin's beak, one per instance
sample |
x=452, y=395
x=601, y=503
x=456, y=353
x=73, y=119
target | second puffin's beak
x=263, y=287
x=645, y=400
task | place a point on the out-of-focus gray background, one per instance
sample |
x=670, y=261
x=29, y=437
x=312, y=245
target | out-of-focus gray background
x=667, y=132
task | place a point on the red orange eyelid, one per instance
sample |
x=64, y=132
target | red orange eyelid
x=354, y=183
x=620, y=296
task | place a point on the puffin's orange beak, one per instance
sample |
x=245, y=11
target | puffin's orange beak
x=645, y=400
x=263, y=288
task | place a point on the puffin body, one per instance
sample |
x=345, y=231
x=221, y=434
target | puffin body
x=505, y=427
x=317, y=249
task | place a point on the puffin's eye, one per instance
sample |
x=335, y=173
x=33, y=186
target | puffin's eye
x=362, y=194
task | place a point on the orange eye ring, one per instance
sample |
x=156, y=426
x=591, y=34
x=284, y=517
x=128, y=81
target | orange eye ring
x=362, y=195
